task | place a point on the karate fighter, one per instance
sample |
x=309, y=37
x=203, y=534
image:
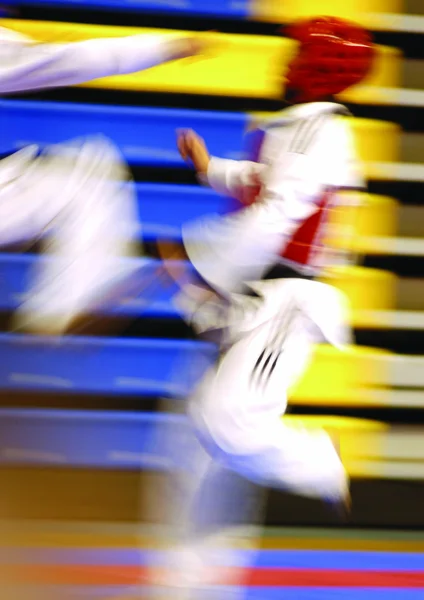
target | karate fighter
x=255, y=284
x=76, y=197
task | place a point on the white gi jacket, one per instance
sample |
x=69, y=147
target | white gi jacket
x=302, y=157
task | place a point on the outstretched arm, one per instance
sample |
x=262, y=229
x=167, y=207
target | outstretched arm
x=27, y=65
x=227, y=177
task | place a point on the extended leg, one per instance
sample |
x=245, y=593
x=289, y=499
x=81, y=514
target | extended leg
x=92, y=228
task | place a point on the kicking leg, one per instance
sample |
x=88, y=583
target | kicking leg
x=93, y=224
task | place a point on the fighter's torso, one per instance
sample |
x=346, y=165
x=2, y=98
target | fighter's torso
x=292, y=131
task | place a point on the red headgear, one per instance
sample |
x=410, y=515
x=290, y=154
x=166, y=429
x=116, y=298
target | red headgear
x=333, y=55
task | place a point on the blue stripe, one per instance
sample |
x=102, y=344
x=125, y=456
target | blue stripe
x=126, y=441
x=221, y=8
x=153, y=300
x=332, y=593
x=259, y=593
x=145, y=136
x=96, y=365
x=346, y=560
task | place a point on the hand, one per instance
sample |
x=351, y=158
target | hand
x=186, y=47
x=193, y=148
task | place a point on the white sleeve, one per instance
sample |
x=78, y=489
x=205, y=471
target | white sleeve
x=230, y=177
x=27, y=65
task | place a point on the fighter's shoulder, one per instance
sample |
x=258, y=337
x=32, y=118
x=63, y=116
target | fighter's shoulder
x=339, y=130
x=310, y=124
x=304, y=114
x=313, y=127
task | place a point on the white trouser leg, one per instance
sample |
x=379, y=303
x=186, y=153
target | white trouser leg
x=206, y=559
x=239, y=405
x=236, y=413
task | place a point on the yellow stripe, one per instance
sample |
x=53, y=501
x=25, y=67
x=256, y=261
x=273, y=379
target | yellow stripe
x=376, y=140
x=343, y=544
x=346, y=424
x=268, y=543
x=336, y=378
x=367, y=289
x=283, y=12
x=351, y=227
x=238, y=65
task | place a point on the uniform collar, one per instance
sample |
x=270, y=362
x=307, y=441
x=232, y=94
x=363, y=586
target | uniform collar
x=305, y=111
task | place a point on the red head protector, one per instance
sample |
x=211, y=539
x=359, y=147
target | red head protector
x=333, y=55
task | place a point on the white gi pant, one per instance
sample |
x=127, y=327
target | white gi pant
x=237, y=407
x=77, y=198
x=236, y=413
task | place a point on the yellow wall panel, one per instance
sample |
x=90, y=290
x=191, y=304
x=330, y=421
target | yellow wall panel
x=341, y=378
x=377, y=216
x=238, y=65
x=367, y=289
x=278, y=11
x=376, y=140
x=352, y=226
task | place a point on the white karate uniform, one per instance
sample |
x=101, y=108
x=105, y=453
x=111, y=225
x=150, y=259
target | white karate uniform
x=304, y=157
x=77, y=196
